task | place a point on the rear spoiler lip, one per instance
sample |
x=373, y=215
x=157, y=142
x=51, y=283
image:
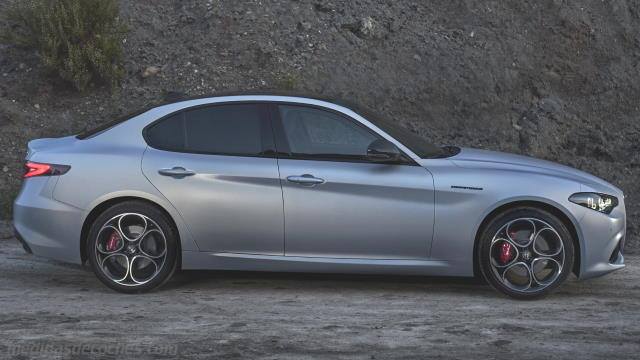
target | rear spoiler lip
x=41, y=144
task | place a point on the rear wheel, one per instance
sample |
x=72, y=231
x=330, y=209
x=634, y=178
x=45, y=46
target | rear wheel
x=133, y=247
x=525, y=252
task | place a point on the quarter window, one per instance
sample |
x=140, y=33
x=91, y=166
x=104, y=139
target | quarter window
x=317, y=133
x=238, y=129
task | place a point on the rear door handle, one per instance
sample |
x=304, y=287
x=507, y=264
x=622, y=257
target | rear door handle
x=306, y=179
x=176, y=172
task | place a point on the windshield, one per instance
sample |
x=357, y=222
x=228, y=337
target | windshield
x=413, y=141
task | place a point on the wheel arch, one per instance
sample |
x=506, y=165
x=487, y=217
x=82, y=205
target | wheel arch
x=104, y=205
x=562, y=214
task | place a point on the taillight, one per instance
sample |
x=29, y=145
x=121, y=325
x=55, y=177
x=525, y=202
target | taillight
x=33, y=169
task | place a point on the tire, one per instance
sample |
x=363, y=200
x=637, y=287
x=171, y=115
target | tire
x=133, y=247
x=525, y=252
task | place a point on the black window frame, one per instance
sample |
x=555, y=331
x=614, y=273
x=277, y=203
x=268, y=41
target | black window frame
x=269, y=148
x=282, y=143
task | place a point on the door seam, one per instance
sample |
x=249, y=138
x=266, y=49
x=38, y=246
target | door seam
x=186, y=225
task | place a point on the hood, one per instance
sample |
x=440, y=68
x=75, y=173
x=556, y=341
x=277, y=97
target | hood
x=475, y=158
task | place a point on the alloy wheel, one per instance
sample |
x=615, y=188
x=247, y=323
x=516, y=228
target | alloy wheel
x=131, y=249
x=527, y=255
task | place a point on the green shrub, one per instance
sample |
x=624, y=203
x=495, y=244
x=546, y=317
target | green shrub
x=287, y=81
x=78, y=40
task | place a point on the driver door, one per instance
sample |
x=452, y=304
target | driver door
x=339, y=204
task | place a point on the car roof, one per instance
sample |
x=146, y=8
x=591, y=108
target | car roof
x=172, y=98
x=175, y=97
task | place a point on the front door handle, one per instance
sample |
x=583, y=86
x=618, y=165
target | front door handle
x=176, y=172
x=306, y=179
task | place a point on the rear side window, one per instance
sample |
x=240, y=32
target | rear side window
x=168, y=134
x=237, y=129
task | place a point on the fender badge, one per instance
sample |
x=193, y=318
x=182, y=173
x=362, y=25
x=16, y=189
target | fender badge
x=465, y=187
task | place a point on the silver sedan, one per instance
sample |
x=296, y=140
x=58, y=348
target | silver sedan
x=281, y=183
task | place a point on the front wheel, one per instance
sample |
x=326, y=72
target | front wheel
x=525, y=252
x=133, y=247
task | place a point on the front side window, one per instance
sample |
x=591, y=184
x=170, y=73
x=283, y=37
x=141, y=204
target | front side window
x=315, y=133
x=233, y=129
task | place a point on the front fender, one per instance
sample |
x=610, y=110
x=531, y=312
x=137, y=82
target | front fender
x=465, y=197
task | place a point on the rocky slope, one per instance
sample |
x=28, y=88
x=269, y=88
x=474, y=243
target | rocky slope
x=553, y=79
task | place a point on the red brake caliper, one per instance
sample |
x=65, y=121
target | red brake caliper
x=114, y=241
x=506, y=253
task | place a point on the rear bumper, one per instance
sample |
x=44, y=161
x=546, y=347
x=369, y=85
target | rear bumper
x=44, y=226
x=603, y=242
x=25, y=246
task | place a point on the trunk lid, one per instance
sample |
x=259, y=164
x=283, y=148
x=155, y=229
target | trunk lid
x=43, y=144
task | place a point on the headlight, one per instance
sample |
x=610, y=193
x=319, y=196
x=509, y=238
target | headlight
x=599, y=202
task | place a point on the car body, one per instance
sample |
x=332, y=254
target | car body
x=273, y=210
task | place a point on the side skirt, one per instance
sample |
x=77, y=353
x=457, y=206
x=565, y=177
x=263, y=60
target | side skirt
x=194, y=260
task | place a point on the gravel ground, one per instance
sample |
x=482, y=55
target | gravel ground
x=52, y=310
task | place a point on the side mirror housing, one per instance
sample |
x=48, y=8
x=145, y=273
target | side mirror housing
x=382, y=150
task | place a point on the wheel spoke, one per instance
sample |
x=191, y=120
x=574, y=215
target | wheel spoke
x=518, y=276
x=497, y=246
x=547, y=242
x=521, y=231
x=132, y=226
x=142, y=269
x=545, y=270
x=153, y=244
x=110, y=240
x=115, y=268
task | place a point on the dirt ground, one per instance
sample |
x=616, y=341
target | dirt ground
x=51, y=310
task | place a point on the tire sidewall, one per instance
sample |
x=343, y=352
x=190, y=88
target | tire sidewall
x=170, y=264
x=483, y=254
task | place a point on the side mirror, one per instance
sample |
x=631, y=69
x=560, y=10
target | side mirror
x=383, y=151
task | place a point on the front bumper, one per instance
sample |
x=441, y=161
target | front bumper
x=602, y=243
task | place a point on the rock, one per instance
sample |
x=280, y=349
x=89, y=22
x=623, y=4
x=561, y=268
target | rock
x=550, y=105
x=501, y=343
x=516, y=125
x=323, y=8
x=172, y=95
x=304, y=26
x=37, y=106
x=5, y=168
x=366, y=28
x=150, y=71
x=187, y=18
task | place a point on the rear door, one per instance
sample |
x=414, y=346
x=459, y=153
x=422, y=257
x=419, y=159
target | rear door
x=216, y=165
x=337, y=203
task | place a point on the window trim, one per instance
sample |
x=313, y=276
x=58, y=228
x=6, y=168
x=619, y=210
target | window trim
x=282, y=143
x=266, y=129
